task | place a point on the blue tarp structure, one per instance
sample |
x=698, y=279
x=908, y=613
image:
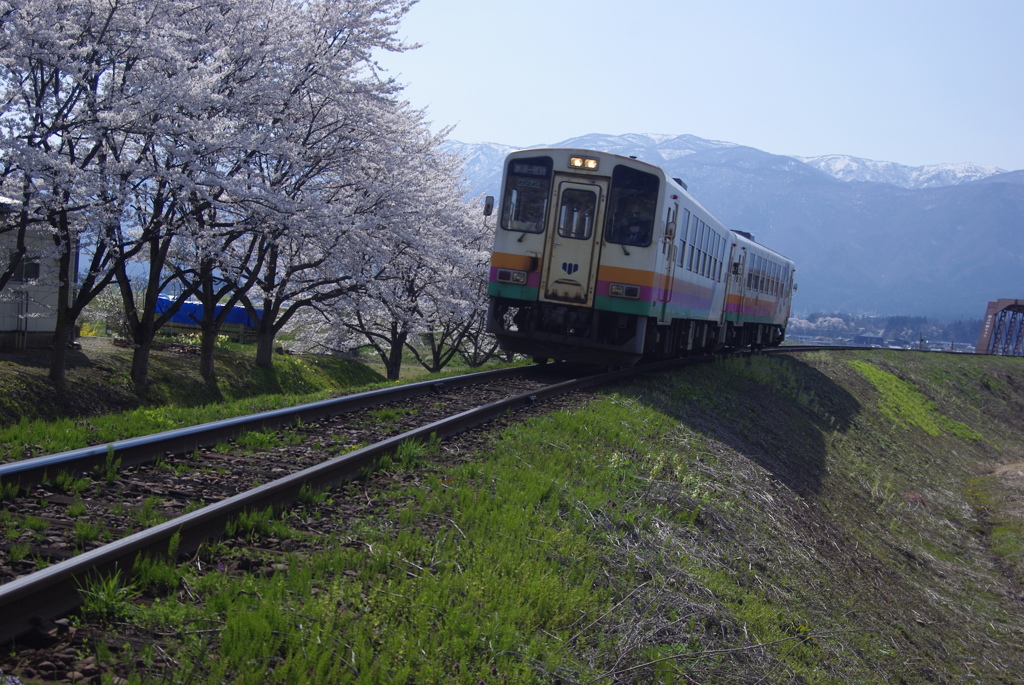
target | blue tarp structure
x=191, y=313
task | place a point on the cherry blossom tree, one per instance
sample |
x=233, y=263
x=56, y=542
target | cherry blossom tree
x=126, y=121
x=79, y=103
x=319, y=170
x=416, y=280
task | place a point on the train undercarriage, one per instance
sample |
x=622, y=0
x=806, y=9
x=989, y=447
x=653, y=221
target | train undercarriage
x=554, y=331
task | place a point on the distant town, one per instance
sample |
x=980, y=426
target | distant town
x=894, y=332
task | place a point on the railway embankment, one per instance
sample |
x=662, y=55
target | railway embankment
x=816, y=517
x=98, y=381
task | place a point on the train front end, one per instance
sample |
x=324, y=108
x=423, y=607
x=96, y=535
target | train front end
x=549, y=298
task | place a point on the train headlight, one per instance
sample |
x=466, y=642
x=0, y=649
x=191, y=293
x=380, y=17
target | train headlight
x=631, y=292
x=588, y=163
x=511, y=276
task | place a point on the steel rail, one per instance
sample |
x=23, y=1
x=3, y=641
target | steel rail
x=131, y=451
x=33, y=600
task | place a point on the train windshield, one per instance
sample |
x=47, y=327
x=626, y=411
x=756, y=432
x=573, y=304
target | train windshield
x=633, y=202
x=527, y=189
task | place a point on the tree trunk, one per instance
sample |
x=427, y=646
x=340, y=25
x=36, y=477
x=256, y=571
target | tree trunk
x=208, y=324
x=265, y=348
x=207, y=345
x=140, y=366
x=64, y=325
x=59, y=358
x=394, y=361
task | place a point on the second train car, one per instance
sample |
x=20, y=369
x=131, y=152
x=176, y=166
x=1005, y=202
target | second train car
x=605, y=259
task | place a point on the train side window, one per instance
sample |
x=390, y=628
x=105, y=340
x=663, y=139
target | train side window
x=527, y=189
x=693, y=243
x=713, y=248
x=684, y=228
x=698, y=260
x=721, y=258
x=705, y=266
x=632, y=204
x=703, y=247
x=713, y=256
x=576, y=214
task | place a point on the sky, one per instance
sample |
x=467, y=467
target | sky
x=916, y=82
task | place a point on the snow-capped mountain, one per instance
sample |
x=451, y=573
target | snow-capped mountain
x=483, y=160
x=847, y=168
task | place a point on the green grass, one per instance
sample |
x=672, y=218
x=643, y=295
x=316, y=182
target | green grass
x=905, y=405
x=107, y=597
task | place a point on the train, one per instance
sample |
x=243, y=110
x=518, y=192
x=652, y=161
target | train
x=603, y=259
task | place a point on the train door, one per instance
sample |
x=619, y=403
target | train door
x=735, y=289
x=573, y=242
x=668, y=250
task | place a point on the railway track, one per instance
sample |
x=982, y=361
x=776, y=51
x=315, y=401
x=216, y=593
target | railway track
x=186, y=485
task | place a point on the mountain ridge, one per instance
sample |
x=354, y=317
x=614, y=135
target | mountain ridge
x=659, y=148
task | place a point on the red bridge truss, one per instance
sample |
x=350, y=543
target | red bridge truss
x=1002, y=331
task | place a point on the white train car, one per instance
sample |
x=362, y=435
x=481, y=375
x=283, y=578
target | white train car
x=605, y=259
x=28, y=304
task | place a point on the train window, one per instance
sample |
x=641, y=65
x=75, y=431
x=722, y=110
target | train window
x=698, y=247
x=576, y=214
x=712, y=248
x=693, y=243
x=720, y=259
x=671, y=226
x=527, y=188
x=27, y=270
x=632, y=204
x=683, y=230
x=705, y=249
x=713, y=255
